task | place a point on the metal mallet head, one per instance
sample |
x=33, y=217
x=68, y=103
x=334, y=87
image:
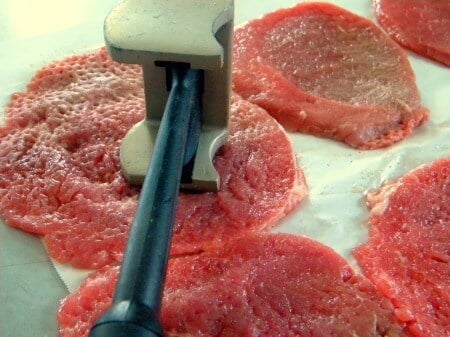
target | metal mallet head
x=184, y=47
x=195, y=32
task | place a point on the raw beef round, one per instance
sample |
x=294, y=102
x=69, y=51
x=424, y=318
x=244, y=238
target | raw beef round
x=322, y=70
x=407, y=256
x=257, y=285
x=60, y=173
x=420, y=25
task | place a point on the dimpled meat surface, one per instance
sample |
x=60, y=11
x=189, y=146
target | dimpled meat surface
x=257, y=285
x=408, y=252
x=422, y=26
x=60, y=174
x=322, y=70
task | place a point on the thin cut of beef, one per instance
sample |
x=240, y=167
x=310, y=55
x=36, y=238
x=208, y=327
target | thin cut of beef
x=257, y=285
x=60, y=173
x=422, y=26
x=322, y=70
x=407, y=256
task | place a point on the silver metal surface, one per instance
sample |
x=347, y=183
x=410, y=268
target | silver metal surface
x=195, y=32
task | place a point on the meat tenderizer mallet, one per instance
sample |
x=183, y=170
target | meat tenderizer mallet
x=184, y=47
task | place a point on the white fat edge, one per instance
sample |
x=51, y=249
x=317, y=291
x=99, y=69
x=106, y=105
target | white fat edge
x=378, y=200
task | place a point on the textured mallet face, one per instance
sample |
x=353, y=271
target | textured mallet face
x=322, y=70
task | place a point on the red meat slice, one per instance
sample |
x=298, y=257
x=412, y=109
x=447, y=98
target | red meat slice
x=60, y=175
x=322, y=70
x=420, y=25
x=408, y=252
x=257, y=285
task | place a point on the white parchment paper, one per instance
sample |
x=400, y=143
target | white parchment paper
x=337, y=176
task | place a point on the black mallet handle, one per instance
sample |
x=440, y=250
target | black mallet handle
x=137, y=301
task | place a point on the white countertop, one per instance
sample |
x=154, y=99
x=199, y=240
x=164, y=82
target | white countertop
x=32, y=33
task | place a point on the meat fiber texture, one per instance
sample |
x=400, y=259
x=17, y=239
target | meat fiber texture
x=322, y=70
x=407, y=256
x=419, y=25
x=60, y=174
x=259, y=285
x=337, y=175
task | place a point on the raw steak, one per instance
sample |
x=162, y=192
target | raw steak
x=257, y=285
x=408, y=252
x=60, y=175
x=420, y=25
x=322, y=70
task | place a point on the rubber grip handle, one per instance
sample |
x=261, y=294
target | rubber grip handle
x=137, y=300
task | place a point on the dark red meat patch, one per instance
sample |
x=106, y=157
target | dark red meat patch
x=258, y=285
x=60, y=174
x=322, y=70
x=407, y=256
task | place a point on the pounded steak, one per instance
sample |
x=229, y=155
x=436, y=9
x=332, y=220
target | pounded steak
x=256, y=285
x=419, y=25
x=60, y=174
x=407, y=256
x=322, y=70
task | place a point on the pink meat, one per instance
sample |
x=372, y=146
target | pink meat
x=257, y=285
x=422, y=26
x=322, y=70
x=60, y=173
x=407, y=256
